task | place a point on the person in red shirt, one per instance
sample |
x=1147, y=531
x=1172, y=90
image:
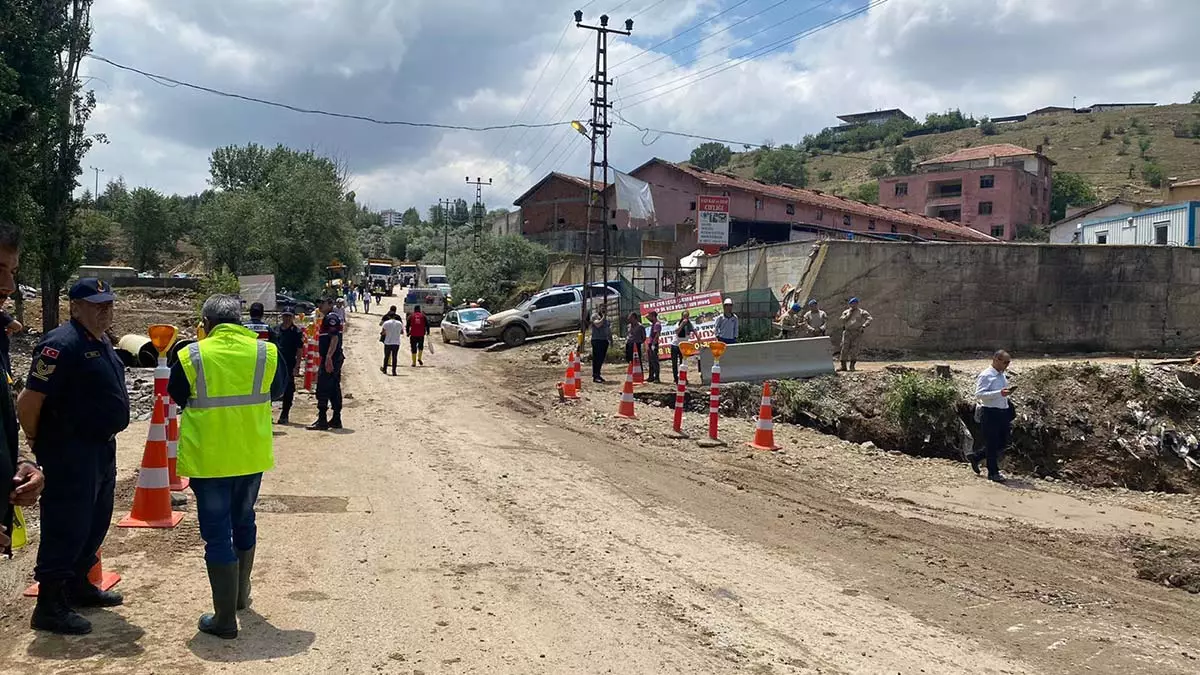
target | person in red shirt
x=418, y=327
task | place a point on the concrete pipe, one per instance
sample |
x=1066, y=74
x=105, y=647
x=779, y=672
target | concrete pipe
x=136, y=351
x=173, y=352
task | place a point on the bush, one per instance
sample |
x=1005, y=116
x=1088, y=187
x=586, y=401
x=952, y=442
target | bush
x=1144, y=146
x=1120, y=130
x=866, y=192
x=923, y=407
x=988, y=127
x=825, y=176
x=222, y=282
x=878, y=170
x=1153, y=174
x=1107, y=133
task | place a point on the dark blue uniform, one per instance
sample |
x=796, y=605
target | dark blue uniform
x=329, y=385
x=289, y=341
x=86, y=406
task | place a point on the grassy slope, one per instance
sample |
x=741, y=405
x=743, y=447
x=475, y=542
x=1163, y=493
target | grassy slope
x=1074, y=143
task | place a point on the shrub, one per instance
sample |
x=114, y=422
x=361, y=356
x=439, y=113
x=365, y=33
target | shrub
x=1144, y=146
x=222, y=282
x=878, y=170
x=825, y=176
x=923, y=407
x=1153, y=174
x=988, y=127
x=1107, y=133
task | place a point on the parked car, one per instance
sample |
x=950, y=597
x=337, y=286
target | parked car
x=298, y=306
x=465, y=325
x=555, y=310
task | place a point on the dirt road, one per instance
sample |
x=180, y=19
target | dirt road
x=463, y=524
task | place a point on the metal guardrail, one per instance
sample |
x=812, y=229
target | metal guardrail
x=771, y=360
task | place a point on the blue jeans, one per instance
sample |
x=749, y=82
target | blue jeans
x=225, y=509
x=728, y=341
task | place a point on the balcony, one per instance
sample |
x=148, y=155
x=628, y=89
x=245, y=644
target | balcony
x=945, y=190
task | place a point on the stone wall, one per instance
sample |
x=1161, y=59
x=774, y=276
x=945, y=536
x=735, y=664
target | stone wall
x=1032, y=298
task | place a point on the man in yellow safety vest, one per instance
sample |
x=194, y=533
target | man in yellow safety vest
x=224, y=384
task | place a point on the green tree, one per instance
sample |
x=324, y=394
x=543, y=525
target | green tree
x=148, y=227
x=373, y=242
x=784, y=165
x=411, y=218
x=903, y=160
x=1153, y=174
x=43, y=116
x=1069, y=189
x=231, y=228
x=877, y=169
x=497, y=266
x=711, y=156
x=987, y=127
x=95, y=231
x=1144, y=146
x=240, y=167
x=398, y=243
x=1196, y=98
x=825, y=176
x=866, y=192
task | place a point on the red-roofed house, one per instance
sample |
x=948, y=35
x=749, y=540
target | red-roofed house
x=774, y=213
x=557, y=202
x=991, y=188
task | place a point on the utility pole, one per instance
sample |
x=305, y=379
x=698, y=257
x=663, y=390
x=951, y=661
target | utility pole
x=478, y=215
x=96, y=188
x=445, y=229
x=600, y=129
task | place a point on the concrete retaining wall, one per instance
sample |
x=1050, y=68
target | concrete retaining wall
x=758, y=267
x=1031, y=298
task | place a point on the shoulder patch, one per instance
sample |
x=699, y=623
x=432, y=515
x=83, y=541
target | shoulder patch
x=91, y=355
x=42, y=370
x=49, y=353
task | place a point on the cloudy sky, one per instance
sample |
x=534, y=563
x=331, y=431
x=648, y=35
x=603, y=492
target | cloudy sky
x=704, y=67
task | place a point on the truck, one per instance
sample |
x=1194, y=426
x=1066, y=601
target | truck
x=377, y=273
x=432, y=302
x=434, y=276
x=554, y=310
x=407, y=273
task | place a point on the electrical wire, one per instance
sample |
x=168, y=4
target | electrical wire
x=169, y=81
x=723, y=48
x=532, y=90
x=680, y=34
x=762, y=51
x=647, y=9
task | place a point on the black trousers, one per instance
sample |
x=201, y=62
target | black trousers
x=76, y=507
x=329, y=387
x=652, y=361
x=417, y=344
x=390, y=352
x=997, y=427
x=630, y=348
x=289, y=389
x=599, y=352
x=676, y=357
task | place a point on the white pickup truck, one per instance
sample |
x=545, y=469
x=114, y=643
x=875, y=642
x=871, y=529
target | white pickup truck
x=555, y=310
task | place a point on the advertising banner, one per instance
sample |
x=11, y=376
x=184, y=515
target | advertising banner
x=704, y=308
x=712, y=220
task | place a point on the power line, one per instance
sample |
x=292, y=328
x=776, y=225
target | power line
x=700, y=57
x=643, y=11
x=168, y=81
x=680, y=34
x=532, y=90
x=733, y=63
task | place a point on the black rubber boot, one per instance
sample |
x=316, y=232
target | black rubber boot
x=53, y=614
x=321, y=424
x=245, y=566
x=335, y=422
x=283, y=418
x=81, y=593
x=223, y=579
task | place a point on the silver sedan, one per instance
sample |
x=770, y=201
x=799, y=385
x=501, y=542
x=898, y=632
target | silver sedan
x=465, y=325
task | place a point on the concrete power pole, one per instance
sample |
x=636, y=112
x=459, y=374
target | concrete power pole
x=445, y=228
x=600, y=130
x=478, y=214
x=96, y=188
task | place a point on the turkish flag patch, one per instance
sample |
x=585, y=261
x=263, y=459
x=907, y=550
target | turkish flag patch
x=49, y=352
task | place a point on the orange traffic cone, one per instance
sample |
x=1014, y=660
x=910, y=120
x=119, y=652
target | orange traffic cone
x=764, y=430
x=626, y=408
x=177, y=483
x=568, y=385
x=578, y=367
x=152, y=499
x=96, y=576
x=637, y=369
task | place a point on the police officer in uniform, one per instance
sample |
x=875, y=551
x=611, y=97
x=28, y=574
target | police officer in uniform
x=258, y=323
x=329, y=369
x=73, y=406
x=289, y=338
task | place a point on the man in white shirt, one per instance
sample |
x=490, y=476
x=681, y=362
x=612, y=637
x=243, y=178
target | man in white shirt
x=391, y=333
x=996, y=414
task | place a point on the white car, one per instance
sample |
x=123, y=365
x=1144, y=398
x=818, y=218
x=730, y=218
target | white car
x=465, y=325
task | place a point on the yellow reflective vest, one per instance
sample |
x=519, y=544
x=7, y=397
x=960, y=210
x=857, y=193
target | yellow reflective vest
x=225, y=430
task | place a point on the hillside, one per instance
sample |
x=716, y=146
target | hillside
x=1073, y=141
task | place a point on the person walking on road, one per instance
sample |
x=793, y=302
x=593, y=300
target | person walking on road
x=726, y=325
x=329, y=370
x=601, y=339
x=289, y=338
x=635, y=339
x=683, y=332
x=73, y=406
x=652, y=347
x=418, y=328
x=815, y=320
x=854, y=321
x=391, y=314
x=995, y=414
x=390, y=334
x=17, y=466
x=366, y=302
x=224, y=387
x=352, y=299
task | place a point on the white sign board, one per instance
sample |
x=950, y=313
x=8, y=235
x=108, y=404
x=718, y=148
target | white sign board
x=712, y=220
x=258, y=288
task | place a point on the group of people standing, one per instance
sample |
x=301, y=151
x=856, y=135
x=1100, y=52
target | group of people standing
x=392, y=328
x=361, y=292
x=815, y=322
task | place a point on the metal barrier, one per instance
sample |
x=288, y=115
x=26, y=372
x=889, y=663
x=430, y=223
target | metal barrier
x=771, y=360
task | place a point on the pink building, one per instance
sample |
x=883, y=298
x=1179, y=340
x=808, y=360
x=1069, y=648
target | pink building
x=773, y=213
x=991, y=188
